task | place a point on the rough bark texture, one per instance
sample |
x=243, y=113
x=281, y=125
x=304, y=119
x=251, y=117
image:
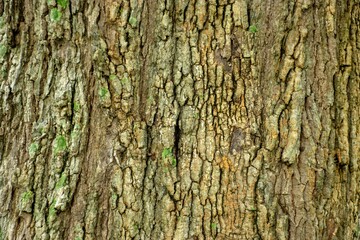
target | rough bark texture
x=179, y=119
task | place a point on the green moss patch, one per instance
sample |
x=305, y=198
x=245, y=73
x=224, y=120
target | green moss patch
x=112, y=77
x=213, y=226
x=133, y=21
x=3, y=50
x=253, y=29
x=60, y=144
x=103, y=92
x=33, y=148
x=168, y=154
x=62, y=181
x=63, y=3
x=55, y=15
x=52, y=212
x=27, y=196
x=76, y=106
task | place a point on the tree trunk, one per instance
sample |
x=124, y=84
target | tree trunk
x=179, y=119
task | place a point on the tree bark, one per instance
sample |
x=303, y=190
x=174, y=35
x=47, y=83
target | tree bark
x=179, y=119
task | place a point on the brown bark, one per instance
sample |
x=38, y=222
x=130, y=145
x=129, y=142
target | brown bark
x=185, y=119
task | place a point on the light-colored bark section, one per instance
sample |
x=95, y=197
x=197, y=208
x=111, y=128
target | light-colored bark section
x=185, y=119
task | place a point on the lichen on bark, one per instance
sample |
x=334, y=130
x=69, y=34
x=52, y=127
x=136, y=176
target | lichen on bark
x=219, y=119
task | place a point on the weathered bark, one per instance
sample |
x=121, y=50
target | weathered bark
x=179, y=119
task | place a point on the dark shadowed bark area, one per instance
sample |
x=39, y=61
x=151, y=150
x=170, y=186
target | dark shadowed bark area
x=179, y=119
